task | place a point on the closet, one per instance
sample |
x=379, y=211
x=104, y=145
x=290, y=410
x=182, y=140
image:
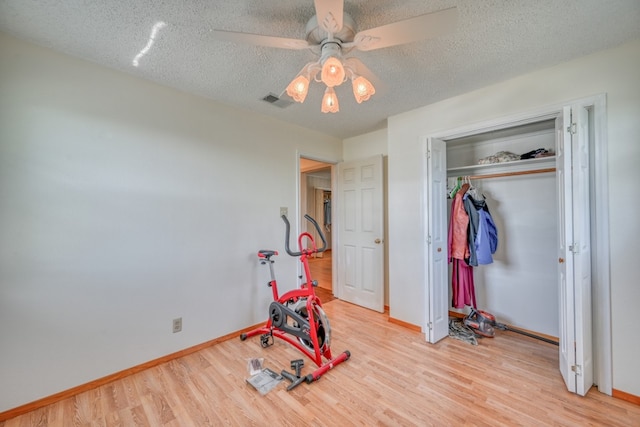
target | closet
x=520, y=286
x=552, y=226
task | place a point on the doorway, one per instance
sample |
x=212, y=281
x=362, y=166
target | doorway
x=316, y=201
x=355, y=223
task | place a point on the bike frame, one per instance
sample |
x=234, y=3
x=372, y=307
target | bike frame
x=307, y=292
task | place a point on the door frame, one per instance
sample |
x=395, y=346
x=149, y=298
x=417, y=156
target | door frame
x=333, y=164
x=599, y=202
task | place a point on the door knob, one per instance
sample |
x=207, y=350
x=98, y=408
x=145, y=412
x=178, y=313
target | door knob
x=560, y=260
x=377, y=241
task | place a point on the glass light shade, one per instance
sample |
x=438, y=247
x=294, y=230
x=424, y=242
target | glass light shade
x=298, y=88
x=362, y=89
x=332, y=72
x=330, y=101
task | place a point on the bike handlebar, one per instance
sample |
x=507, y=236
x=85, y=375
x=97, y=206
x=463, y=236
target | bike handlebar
x=315, y=224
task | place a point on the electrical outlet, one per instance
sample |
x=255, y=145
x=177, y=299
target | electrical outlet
x=177, y=325
x=284, y=211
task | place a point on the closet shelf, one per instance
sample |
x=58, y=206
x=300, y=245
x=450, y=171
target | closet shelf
x=517, y=165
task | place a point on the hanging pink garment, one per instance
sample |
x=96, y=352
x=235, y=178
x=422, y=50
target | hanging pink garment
x=462, y=286
x=458, y=226
x=463, y=289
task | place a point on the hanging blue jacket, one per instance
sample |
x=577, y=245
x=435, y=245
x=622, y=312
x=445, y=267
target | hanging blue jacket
x=487, y=238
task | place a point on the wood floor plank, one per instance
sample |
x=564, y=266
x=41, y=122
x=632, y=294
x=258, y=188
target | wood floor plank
x=393, y=378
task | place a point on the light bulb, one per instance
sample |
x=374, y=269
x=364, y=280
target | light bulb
x=330, y=101
x=362, y=89
x=332, y=72
x=298, y=88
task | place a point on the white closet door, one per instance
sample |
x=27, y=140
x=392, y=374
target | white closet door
x=582, y=251
x=436, y=263
x=565, y=260
x=574, y=254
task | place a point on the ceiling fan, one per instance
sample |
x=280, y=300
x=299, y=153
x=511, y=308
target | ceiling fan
x=331, y=34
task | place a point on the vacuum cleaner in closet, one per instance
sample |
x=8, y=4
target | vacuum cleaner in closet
x=485, y=324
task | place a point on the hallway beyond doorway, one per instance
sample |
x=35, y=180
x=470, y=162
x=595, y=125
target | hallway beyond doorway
x=321, y=271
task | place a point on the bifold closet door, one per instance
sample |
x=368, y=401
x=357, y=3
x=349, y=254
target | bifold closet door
x=574, y=250
x=437, y=316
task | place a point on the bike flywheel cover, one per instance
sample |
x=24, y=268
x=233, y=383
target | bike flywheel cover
x=276, y=314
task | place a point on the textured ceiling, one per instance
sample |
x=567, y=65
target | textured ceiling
x=495, y=40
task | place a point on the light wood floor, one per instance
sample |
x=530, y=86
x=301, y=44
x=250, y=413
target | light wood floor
x=393, y=378
x=321, y=271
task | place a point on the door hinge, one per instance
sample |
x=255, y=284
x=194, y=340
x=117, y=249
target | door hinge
x=428, y=240
x=577, y=369
x=574, y=248
x=430, y=326
x=428, y=154
x=572, y=128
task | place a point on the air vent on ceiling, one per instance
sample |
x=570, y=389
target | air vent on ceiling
x=275, y=100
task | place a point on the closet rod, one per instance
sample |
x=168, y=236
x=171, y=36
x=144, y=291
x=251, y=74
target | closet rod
x=499, y=175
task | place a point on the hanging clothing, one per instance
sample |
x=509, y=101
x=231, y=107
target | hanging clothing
x=458, y=224
x=327, y=212
x=462, y=286
x=471, y=208
x=481, y=247
x=486, y=242
x=463, y=290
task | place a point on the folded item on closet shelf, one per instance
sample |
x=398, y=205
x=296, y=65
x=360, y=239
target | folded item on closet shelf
x=547, y=153
x=534, y=154
x=499, y=157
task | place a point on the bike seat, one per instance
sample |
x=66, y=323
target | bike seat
x=264, y=253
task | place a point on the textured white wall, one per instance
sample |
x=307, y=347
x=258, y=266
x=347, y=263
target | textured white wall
x=614, y=72
x=124, y=205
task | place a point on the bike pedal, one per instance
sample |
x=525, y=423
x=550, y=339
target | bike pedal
x=266, y=340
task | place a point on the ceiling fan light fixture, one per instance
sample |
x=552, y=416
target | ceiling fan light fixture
x=331, y=33
x=332, y=72
x=330, y=101
x=362, y=89
x=298, y=88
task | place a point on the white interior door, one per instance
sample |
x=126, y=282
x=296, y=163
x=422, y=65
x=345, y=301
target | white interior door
x=360, y=233
x=574, y=250
x=437, y=268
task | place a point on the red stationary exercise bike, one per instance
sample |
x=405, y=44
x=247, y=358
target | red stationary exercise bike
x=297, y=316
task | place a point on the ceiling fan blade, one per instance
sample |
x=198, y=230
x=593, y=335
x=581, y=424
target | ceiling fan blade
x=410, y=30
x=260, y=40
x=358, y=66
x=329, y=14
